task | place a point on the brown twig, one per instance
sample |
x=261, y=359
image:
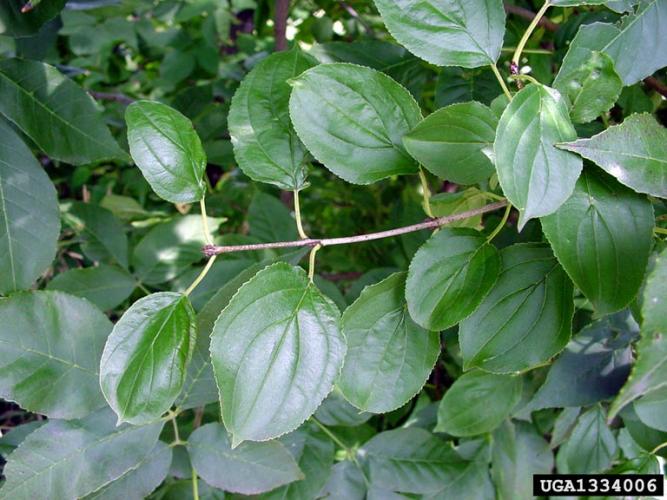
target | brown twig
x=655, y=84
x=211, y=250
x=529, y=15
x=112, y=96
x=353, y=12
x=280, y=24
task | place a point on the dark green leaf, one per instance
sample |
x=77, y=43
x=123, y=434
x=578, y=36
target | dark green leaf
x=389, y=356
x=250, y=468
x=346, y=483
x=526, y=317
x=336, y=411
x=652, y=409
x=50, y=347
x=12, y=439
x=276, y=349
x=104, y=286
x=591, y=446
x=654, y=308
x=353, y=120
x=456, y=85
x=270, y=220
x=15, y=23
x=449, y=277
x=536, y=177
x=144, y=361
x=602, y=236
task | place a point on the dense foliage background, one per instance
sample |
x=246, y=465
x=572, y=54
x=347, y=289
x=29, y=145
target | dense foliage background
x=507, y=343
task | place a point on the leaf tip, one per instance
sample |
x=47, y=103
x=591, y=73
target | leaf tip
x=236, y=441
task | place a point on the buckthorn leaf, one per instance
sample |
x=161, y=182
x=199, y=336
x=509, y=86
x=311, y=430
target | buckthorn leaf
x=525, y=319
x=449, y=276
x=602, y=236
x=145, y=358
x=447, y=32
x=276, y=350
x=652, y=409
x=536, y=176
x=265, y=144
x=51, y=344
x=591, y=446
x=654, y=307
x=389, y=356
x=105, y=286
x=167, y=150
x=353, y=119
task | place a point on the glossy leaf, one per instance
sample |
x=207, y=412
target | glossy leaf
x=635, y=152
x=602, y=236
x=265, y=144
x=450, y=143
x=591, y=446
x=165, y=146
x=654, y=307
x=29, y=219
x=535, y=176
x=33, y=96
x=74, y=458
x=447, y=32
x=276, y=349
x=449, y=276
x=51, y=344
x=145, y=358
x=105, y=286
x=352, y=119
x=526, y=317
x=389, y=356
x=477, y=402
x=250, y=468
x=15, y=23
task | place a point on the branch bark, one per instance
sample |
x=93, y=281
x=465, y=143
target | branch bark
x=112, y=96
x=280, y=24
x=211, y=250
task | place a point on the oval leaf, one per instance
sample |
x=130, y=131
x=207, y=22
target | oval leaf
x=535, y=176
x=449, y=276
x=104, y=286
x=525, y=319
x=50, y=346
x=389, y=356
x=353, y=119
x=276, y=350
x=166, y=148
x=447, y=32
x=266, y=146
x=145, y=359
x=29, y=218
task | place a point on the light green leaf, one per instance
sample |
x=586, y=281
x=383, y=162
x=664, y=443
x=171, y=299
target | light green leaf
x=104, y=286
x=635, y=152
x=33, y=96
x=451, y=203
x=654, y=307
x=145, y=358
x=535, y=176
x=389, y=356
x=16, y=24
x=652, y=409
x=602, y=236
x=447, y=32
x=165, y=146
x=276, y=350
x=353, y=119
x=29, y=219
x=525, y=319
x=50, y=347
x=449, y=276
x=250, y=468
x=478, y=402
x=266, y=146
x=591, y=446
x=74, y=458
x=451, y=141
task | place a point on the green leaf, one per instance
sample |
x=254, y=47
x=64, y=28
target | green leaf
x=654, y=307
x=451, y=203
x=449, y=276
x=250, y=468
x=592, y=88
x=478, y=402
x=12, y=439
x=456, y=85
x=525, y=319
x=353, y=119
x=450, y=143
x=51, y=345
x=389, y=356
x=145, y=358
x=270, y=220
x=602, y=236
x=652, y=409
x=346, y=483
x=336, y=411
x=29, y=219
x=276, y=350
x=33, y=96
x=535, y=176
x=139, y=482
x=104, y=286
x=591, y=446
x=165, y=146
x=16, y=24
x=74, y=458
x=447, y=32
x=266, y=146
x=635, y=152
